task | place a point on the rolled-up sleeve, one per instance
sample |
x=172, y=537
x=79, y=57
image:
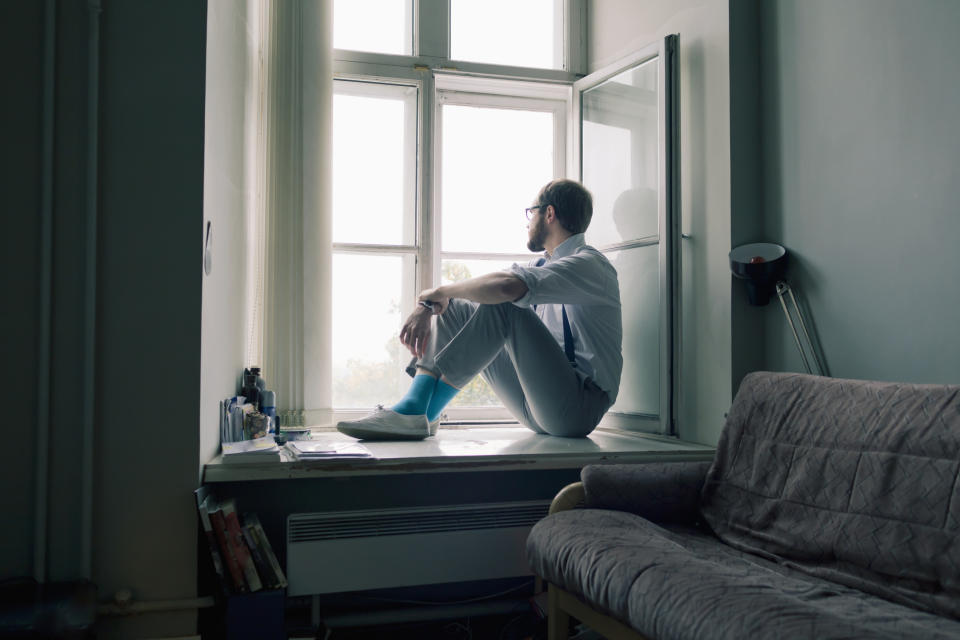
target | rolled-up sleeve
x=582, y=278
x=529, y=278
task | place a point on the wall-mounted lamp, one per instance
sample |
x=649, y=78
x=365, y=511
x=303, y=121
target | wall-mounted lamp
x=763, y=267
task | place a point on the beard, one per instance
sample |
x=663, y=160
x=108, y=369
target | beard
x=538, y=235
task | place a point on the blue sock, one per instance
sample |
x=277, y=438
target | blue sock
x=442, y=395
x=418, y=396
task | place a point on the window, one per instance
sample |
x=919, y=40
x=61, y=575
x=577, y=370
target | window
x=511, y=142
x=423, y=129
x=414, y=143
x=531, y=37
x=381, y=26
x=628, y=161
x=374, y=230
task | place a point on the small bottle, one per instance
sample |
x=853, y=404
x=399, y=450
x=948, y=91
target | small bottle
x=250, y=390
x=268, y=406
x=261, y=385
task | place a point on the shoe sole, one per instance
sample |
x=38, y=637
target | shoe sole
x=373, y=434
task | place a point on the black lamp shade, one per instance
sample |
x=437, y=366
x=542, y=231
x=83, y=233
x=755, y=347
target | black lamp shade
x=761, y=265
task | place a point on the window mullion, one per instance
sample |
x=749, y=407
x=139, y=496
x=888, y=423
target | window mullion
x=573, y=28
x=427, y=236
x=432, y=28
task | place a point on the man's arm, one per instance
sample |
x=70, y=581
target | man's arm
x=492, y=288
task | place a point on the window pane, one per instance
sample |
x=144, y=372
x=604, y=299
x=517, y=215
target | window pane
x=521, y=34
x=621, y=157
x=372, y=294
x=478, y=393
x=494, y=163
x=639, y=275
x=379, y=26
x=374, y=157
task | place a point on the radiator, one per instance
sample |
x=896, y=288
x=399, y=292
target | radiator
x=337, y=551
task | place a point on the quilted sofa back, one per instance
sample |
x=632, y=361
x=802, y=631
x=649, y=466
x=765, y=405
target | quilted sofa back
x=850, y=480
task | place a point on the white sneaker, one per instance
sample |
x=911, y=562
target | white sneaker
x=387, y=424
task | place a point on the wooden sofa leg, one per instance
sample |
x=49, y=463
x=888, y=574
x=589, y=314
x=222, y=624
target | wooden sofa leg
x=558, y=620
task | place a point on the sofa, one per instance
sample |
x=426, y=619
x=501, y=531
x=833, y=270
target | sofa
x=831, y=510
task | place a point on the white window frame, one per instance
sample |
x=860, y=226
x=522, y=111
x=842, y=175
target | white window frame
x=665, y=53
x=440, y=80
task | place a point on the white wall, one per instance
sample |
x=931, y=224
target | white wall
x=228, y=186
x=617, y=28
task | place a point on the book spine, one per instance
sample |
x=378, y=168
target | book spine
x=235, y=535
x=254, y=522
x=220, y=531
x=212, y=544
x=263, y=567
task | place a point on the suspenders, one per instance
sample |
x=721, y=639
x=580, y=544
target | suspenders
x=567, y=333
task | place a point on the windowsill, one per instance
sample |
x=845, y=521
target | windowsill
x=473, y=449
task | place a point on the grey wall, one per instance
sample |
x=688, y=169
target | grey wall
x=748, y=343
x=861, y=181
x=149, y=303
x=148, y=299
x=616, y=29
x=21, y=38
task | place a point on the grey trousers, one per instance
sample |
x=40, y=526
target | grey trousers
x=520, y=360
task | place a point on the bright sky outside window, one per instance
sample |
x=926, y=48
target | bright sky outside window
x=368, y=359
x=494, y=162
x=520, y=33
x=378, y=26
x=370, y=174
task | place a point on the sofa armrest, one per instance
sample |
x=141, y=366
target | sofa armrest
x=666, y=492
x=570, y=497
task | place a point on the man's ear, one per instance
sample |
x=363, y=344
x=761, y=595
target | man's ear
x=550, y=214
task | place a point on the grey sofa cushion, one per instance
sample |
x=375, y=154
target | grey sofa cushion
x=664, y=492
x=848, y=480
x=681, y=583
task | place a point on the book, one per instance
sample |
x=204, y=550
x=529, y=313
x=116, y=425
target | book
x=258, y=450
x=321, y=450
x=239, y=546
x=265, y=571
x=204, y=502
x=219, y=524
x=261, y=537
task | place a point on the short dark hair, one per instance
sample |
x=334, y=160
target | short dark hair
x=571, y=201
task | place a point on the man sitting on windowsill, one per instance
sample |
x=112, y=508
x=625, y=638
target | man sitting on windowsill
x=546, y=337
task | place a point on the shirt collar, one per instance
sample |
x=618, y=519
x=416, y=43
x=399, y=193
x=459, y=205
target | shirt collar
x=567, y=247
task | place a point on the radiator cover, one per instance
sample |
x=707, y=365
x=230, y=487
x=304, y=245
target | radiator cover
x=336, y=551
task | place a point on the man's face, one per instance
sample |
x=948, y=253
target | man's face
x=536, y=231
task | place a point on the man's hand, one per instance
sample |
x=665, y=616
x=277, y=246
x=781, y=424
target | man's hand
x=439, y=299
x=416, y=331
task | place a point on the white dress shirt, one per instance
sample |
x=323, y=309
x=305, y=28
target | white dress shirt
x=581, y=279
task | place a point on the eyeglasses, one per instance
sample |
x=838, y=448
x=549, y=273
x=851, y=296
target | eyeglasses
x=529, y=210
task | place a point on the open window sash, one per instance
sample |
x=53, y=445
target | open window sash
x=626, y=151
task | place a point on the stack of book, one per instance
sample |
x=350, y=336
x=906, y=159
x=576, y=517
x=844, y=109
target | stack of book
x=320, y=450
x=242, y=556
x=245, y=451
